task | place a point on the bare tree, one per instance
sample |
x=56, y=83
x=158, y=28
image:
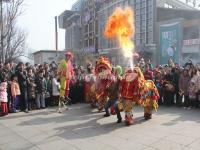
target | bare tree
x=13, y=38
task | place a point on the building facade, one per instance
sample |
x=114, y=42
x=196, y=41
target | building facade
x=86, y=21
x=47, y=56
x=89, y=26
x=77, y=6
x=71, y=22
x=178, y=35
x=146, y=18
x=191, y=41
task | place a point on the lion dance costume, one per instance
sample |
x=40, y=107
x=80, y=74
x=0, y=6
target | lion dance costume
x=135, y=90
x=149, y=98
x=65, y=72
x=103, y=72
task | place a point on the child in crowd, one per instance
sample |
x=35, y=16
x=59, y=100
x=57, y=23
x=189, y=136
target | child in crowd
x=3, y=96
x=41, y=88
x=15, y=93
x=55, y=90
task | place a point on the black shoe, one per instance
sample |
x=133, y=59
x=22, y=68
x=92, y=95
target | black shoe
x=106, y=115
x=119, y=120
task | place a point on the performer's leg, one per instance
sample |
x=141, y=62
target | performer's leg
x=62, y=86
x=93, y=100
x=107, y=106
x=59, y=105
x=64, y=105
x=110, y=104
x=102, y=102
x=148, y=112
x=62, y=93
x=128, y=112
x=119, y=118
x=67, y=88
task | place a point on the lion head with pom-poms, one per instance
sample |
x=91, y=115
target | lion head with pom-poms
x=102, y=63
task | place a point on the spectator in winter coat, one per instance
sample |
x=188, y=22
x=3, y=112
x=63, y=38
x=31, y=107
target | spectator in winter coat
x=3, y=96
x=148, y=74
x=31, y=88
x=183, y=87
x=8, y=72
x=158, y=82
x=41, y=88
x=192, y=94
x=169, y=88
x=15, y=93
x=22, y=80
x=194, y=88
x=176, y=76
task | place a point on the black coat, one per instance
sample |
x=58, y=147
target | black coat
x=22, y=79
x=41, y=86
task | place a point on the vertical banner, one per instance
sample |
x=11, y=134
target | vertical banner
x=170, y=42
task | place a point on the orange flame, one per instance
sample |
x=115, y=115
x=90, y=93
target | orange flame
x=121, y=26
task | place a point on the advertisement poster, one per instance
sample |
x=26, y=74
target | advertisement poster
x=170, y=42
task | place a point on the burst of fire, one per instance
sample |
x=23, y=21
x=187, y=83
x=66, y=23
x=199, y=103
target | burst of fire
x=121, y=26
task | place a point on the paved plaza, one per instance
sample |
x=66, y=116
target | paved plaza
x=82, y=128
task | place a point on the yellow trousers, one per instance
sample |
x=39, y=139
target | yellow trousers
x=64, y=87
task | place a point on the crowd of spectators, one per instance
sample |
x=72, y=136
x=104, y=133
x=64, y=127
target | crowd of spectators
x=25, y=87
x=177, y=85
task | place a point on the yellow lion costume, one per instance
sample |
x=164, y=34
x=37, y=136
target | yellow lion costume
x=149, y=97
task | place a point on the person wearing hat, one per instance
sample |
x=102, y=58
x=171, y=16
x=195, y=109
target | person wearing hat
x=65, y=72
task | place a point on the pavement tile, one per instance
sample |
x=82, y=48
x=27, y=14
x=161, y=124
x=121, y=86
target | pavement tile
x=82, y=128
x=29, y=133
x=9, y=139
x=55, y=144
x=6, y=131
x=195, y=144
x=35, y=140
x=180, y=139
x=18, y=144
x=32, y=148
x=190, y=148
x=189, y=131
x=149, y=148
x=167, y=145
x=91, y=145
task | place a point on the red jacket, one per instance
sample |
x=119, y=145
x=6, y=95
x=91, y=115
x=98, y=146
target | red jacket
x=130, y=90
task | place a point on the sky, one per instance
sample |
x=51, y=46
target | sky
x=39, y=24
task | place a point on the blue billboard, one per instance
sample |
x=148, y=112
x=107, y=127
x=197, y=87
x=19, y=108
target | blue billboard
x=170, y=42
